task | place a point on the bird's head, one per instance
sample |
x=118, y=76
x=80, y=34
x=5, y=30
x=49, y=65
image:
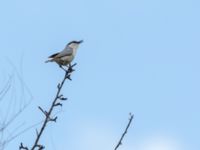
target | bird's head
x=74, y=44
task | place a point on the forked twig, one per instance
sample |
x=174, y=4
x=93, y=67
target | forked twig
x=48, y=114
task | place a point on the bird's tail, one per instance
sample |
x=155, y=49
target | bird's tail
x=48, y=61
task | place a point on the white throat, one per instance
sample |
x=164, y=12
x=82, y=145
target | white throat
x=74, y=47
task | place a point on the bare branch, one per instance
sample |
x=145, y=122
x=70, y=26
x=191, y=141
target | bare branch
x=58, y=104
x=125, y=132
x=13, y=103
x=48, y=117
x=43, y=111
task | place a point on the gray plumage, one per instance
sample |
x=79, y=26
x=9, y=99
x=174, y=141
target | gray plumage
x=66, y=55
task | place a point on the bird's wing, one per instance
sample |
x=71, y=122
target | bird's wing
x=66, y=52
x=53, y=55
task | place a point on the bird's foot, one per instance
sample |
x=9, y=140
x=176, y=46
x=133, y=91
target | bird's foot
x=70, y=67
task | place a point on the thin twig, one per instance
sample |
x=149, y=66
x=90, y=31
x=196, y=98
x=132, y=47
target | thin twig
x=48, y=117
x=125, y=132
x=22, y=147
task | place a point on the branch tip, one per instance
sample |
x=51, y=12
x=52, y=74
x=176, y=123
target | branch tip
x=22, y=147
x=125, y=132
x=44, y=112
x=57, y=104
x=63, y=99
x=53, y=119
x=58, y=86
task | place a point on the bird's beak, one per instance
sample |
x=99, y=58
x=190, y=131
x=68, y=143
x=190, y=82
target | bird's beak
x=81, y=41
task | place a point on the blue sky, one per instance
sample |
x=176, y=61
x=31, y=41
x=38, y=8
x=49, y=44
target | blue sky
x=137, y=56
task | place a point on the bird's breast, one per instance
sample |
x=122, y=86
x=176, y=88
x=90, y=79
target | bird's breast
x=67, y=58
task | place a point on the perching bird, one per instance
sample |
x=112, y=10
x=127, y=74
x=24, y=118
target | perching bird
x=66, y=56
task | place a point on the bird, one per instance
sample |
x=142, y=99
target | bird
x=65, y=57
